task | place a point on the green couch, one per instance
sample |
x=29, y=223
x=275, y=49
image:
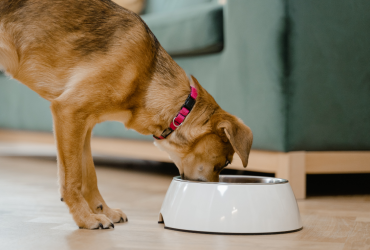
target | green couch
x=297, y=72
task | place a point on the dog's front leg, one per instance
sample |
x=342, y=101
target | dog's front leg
x=71, y=125
x=90, y=189
x=61, y=174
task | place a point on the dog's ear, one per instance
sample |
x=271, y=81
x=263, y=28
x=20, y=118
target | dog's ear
x=232, y=129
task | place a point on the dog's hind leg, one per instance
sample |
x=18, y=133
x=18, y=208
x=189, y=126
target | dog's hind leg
x=90, y=189
x=71, y=125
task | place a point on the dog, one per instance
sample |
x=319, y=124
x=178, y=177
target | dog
x=96, y=61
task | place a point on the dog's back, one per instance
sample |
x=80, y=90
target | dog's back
x=55, y=41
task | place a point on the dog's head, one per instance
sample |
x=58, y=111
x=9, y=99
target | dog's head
x=206, y=143
x=213, y=151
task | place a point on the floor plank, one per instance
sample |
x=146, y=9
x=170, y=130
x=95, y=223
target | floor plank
x=359, y=237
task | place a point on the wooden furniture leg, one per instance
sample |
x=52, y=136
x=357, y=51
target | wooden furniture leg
x=291, y=166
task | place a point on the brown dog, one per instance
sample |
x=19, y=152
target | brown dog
x=95, y=61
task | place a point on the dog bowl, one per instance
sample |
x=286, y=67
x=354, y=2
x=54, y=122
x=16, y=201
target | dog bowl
x=235, y=205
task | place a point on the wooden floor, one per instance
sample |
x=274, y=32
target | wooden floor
x=32, y=216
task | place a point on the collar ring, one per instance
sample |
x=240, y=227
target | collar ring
x=173, y=122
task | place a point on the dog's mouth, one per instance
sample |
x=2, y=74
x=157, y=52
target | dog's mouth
x=183, y=177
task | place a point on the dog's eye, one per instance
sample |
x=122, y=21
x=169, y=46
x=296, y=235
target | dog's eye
x=219, y=169
x=226, y=163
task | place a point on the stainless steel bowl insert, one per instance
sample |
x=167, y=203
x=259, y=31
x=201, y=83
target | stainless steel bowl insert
x=241, y=179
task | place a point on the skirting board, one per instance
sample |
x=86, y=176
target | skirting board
x=292, y=166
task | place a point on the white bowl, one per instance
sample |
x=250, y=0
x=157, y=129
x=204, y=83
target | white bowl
x=235, y=205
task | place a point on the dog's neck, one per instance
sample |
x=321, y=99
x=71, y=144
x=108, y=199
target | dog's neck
x=195, y=123
x=169, y=101
x=166, y=92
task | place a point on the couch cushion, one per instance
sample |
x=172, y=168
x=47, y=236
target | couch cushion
x=192, y=30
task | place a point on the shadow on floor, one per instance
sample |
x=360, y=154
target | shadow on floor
x=317, y=185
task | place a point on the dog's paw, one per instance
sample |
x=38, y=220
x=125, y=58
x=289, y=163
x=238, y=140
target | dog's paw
x=95, y=221
x=116, y=215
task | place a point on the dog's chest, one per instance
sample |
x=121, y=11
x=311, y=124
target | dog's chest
x=119, y=116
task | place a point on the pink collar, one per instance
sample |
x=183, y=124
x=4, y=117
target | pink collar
x=181, y=115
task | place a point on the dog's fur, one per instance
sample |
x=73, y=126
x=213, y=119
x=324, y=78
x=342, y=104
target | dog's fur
x=95, y=61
